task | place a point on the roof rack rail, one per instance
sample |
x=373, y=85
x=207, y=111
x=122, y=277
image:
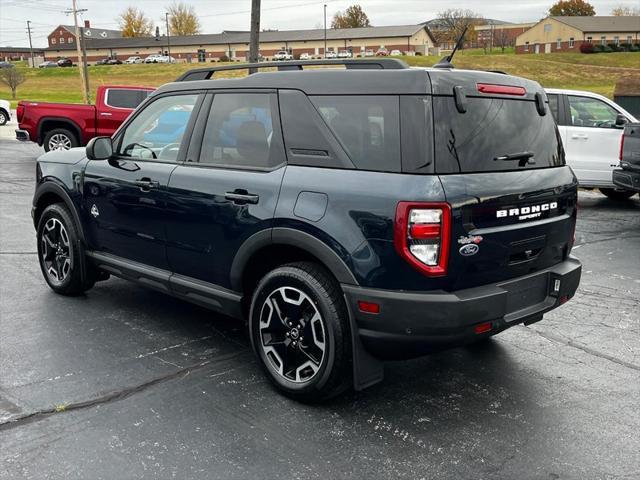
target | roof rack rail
x=349, y=64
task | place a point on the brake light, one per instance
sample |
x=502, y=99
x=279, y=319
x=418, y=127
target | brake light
x=20, y=112
x=423, y=236
x=621, y=145
x=501, y=89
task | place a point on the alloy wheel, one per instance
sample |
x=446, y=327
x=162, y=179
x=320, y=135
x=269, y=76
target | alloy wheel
x=56, y=250
x=292, y=334
x=59, y=141
x=3, y=118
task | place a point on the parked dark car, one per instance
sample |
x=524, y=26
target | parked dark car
x=629, y=176
x=65, y=62
x=114, y=61
x=102, y=61
x=349, y=215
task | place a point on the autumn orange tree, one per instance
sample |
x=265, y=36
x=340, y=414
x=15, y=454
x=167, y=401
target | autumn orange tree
x=353, y=17
x=572, y=8
x=183, y=20
x=134, y=23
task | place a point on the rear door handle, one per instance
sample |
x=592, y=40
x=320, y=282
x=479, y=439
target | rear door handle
x=242, y=197
x=146, y=184
x=580, y=136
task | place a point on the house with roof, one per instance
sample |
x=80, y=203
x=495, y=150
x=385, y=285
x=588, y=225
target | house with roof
x=64, y=35
x=413, y=39
x=566, y=34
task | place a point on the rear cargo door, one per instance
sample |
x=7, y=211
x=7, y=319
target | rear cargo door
x=502, y=167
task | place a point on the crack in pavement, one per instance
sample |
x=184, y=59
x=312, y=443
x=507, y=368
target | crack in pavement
x=621, y=237
x=114, y=395
x=584, y=348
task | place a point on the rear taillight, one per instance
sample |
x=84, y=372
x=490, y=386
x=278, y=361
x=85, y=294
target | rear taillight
x=423, y=234
x=20, y=112
x=621, y=146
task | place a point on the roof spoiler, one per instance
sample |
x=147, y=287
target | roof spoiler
x=446, y=61
x=295, y=65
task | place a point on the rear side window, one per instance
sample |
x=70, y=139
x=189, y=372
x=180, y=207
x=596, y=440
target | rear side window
x=242, y=131
x=367, y=126
x=491, y=130
x=123, y=98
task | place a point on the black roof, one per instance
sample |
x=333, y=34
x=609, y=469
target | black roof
x=326, y=81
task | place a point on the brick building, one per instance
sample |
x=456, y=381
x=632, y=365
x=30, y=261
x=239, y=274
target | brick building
x=566, y=34
x=406, y=38
x=502, y=34
x=66, y=34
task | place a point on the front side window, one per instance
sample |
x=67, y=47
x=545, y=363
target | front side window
x=591, y=112
x=589, y=39
x=242, y=131
x=368, y=127
x=156, y=133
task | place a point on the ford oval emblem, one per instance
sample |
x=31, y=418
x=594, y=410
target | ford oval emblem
x=469, y=249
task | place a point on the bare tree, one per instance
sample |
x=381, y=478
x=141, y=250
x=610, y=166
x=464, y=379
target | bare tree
x=502, y=39
x=12, y=78
x=134, y=23
x=625, y=11
x=183, y=19
x=454, y=22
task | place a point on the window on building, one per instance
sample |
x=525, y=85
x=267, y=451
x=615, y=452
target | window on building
x=242, y=131
x=526, y=46
x=629, y=39
x=589, y=39
x=53, y=41
x=571, y=42
x=616, y=40
x=559, y=44
x=603, y=40
x=70, y=40
x=61, y=39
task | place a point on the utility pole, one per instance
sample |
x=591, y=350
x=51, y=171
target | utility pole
x=83, y=68
x=325, y=30
x=30, y=44
x=254, y=36
x=166, y=19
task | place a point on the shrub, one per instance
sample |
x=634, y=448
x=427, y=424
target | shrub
x=598, y=48
x=224, y=58
x=634, y=48
x=608, y=49
x=587, y=48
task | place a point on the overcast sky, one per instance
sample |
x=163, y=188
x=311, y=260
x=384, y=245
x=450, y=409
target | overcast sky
x=218, y=15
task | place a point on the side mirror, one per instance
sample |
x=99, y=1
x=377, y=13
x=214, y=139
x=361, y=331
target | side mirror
x=99, y=148
x=621, y=120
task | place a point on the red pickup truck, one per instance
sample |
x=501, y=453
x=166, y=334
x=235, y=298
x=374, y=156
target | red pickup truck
x=59, y=126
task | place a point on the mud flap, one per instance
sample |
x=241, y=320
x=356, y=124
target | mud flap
x=367, y=370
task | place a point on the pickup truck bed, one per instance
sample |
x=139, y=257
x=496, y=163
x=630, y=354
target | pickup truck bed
x=629, y=175
x=63, y=126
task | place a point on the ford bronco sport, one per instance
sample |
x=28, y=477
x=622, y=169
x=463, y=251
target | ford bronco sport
x=350, y=215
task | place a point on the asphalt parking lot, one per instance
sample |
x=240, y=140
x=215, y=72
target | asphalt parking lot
x=128, y=383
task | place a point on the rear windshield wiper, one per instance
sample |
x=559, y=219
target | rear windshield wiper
x=524, y=158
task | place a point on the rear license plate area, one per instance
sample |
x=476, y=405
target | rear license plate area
x=526, y=292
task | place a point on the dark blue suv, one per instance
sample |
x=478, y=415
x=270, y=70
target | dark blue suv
x=350, y=215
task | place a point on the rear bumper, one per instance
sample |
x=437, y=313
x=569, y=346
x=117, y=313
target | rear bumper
x=22, y=135
x=627, y=179
x=417, y=323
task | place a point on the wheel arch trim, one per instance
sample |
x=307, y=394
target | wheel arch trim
x=74, y=127
x=51, y=186
x=294, y=238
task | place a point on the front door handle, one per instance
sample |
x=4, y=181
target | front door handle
x=242, y=197
x=580, y=136
x=146, y=184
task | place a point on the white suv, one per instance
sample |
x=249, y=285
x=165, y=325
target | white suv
x=590, y=126
x=283, y=55
x=5, y=112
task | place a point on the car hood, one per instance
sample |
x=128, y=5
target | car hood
x=69, y=157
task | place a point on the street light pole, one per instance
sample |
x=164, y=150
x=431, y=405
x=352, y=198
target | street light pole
x=325, y=30
x=83, y=68
x=30, y=44
x=166, y=19
x=254, y=35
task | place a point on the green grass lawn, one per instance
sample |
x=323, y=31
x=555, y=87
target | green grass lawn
x=596, y=72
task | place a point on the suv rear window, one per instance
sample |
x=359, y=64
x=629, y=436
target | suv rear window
x=492, y=128
x=367, y=126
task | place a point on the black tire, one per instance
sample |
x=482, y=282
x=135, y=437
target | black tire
x=321, y=299
x=59, y=253
x=4, y=117
x=617, y=195
x=62, y=137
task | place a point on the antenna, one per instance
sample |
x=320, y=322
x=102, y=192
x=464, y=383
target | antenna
x=446, y=61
